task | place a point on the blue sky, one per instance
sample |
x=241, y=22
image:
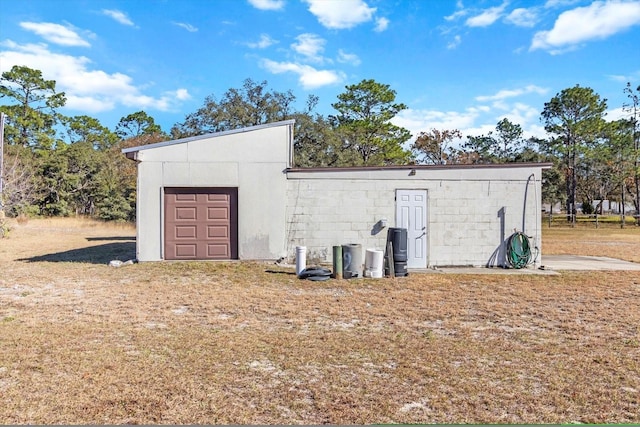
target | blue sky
x=456, y=64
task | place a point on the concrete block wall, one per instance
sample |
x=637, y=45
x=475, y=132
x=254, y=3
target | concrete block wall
x=468, y=217
x=469, y=221
x=324, y=213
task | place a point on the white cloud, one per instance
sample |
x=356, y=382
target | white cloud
x=310, y=46
x=89, y=104
x=487, y=17
x=472, y=121
x=521, y=114
x=88, y=91
x=267, y=4
x=186, y=26
x=632, y=77
x=599, y=20
x=181, y=94
x=381, y=25
x=559, y=3
x=617, y=114
x=460, y=12
x=348, y=58
x=264, y=42
x=308, y=77
x=55, y=33
x=457, y=14
x=423, y=120
x=341, y=14
x=511, y=93
x=163, y=103
x=118, y=16
x=455, y=42
x=522, y=17
x=618, y=78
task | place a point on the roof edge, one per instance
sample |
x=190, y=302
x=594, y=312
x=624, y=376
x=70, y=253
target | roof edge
x=545, y=165
x=207, y=135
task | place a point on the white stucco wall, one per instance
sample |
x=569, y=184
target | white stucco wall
x=251, y=159
x=464, y=225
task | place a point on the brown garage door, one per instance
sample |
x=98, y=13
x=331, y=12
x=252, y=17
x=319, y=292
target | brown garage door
x=201, y=223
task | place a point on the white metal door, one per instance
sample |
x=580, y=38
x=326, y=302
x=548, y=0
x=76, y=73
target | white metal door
x=411, y=213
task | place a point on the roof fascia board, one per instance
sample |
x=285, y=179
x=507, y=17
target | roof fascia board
x=424, y=167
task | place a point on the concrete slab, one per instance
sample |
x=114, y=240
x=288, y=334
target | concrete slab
x=575, y=262
x=485, y=270
x=550, y=265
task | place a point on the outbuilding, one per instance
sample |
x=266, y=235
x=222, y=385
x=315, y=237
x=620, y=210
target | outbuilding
x=237, y=195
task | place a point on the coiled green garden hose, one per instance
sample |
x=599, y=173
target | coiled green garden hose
x=518, y=250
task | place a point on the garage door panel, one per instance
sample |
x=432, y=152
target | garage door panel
x=186, y=232
x=218, y=214
x=201, y=223
x=190, y=213
x=187, y=251
x=218, y=232
x=218, y=198
x=182, y=197
x=218, y=251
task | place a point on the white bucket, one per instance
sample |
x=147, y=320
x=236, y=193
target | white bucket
x=375, y=274
x=373, y=263
x=301, y=259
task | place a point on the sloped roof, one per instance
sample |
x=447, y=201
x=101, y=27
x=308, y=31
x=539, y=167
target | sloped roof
x=205, y=136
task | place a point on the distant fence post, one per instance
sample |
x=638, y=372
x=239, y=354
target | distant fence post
x=598, y=221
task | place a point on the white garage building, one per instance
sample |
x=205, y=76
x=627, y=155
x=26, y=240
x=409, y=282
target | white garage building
x=236, y=195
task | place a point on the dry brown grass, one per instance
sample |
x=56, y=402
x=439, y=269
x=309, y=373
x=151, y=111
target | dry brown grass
x=608, y=240
x=237, y=343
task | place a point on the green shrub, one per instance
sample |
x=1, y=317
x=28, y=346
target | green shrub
x=587, y=207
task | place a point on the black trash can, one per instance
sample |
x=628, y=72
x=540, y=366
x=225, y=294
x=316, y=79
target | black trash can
x=399, y=240
x=400, y=268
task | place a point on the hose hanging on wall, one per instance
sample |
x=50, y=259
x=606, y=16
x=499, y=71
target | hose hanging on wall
x=518, y=250
x=524, y=218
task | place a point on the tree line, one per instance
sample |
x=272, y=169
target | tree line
x=55, y=165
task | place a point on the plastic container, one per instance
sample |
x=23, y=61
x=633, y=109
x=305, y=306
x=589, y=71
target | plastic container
x=373, y=263
x=400, y=269
x=337, y=262
x=399, y=240
x=351, y=261
x=301, y=259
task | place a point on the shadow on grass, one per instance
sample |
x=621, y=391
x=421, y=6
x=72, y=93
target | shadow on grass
x=110, y=239
x=281, y=272
x=100, y=254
